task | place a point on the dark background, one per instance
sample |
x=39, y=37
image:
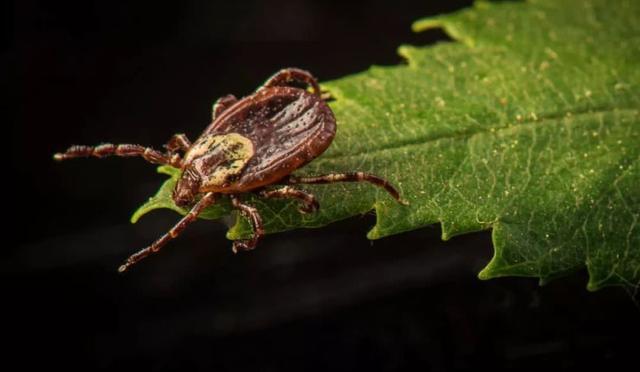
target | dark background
x=325, y=299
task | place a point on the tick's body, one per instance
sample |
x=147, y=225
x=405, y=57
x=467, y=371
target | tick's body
x=287, y=126
x=252, y=143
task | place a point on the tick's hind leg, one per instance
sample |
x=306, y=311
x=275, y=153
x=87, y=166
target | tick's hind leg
x=123, y=150
x=348, y=177
x=309, y=202
x=293, y=77
x=207, y=200
x=254, y=218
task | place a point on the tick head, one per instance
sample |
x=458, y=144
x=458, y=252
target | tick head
x=184, y=193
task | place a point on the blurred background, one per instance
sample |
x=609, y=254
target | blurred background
x=324, y=299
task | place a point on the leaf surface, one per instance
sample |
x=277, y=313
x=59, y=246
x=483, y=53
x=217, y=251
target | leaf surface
x=528, y=125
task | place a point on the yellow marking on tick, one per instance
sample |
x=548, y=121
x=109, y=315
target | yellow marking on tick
x=231, y=152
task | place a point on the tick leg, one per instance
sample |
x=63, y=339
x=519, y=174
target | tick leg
x=253, y=216
x=348, y=177
x=123, y=150
x=222, y=104
x=293, y=77
x=207, y=200
x=309, y=202
x=178, y=142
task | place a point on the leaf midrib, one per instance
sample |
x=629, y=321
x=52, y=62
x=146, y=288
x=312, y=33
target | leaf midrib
x=552, y=117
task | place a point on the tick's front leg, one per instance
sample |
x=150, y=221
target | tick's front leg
x=207, y=200
x=293, y=77
x=178, y=142
x=122, y=150
x=309, y=202
x=254, y=218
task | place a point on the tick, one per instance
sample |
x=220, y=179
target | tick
x=251, y=146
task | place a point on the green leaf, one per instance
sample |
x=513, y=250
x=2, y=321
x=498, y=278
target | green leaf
x=529, y=125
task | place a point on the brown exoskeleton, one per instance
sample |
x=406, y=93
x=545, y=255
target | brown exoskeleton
x=251, y=143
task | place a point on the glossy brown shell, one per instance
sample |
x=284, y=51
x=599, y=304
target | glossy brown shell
x=288, y=127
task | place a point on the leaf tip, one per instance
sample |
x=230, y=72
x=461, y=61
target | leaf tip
x=426, y=24
x=374, y=233
x=592, y=286
x=142, y=210
x=447, y=24
x=445, y=231
x=485, y=274
x=595, y=283
x=542, y=281
x=136, y=216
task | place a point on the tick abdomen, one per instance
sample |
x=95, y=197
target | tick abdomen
x=288, y=128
